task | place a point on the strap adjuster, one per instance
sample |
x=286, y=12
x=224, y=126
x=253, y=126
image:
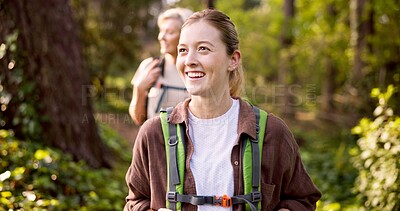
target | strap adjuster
x=172, y=141
x=255, y=196
x=172, y=196
x=223, y=201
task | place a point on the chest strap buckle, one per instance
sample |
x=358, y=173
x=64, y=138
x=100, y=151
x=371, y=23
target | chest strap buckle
x=172, y=196
x=223, y=201
x=255, y=196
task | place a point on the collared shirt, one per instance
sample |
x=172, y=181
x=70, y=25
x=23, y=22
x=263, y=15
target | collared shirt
x=284, y=180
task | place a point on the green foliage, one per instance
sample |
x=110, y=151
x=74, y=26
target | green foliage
x=385, y=52
x=18, y=93
x=377, y=158
x=117, y=144
x=111, y=33
x=117, y=96
x=326, y=158
x=321, y=41
x=258, y=32
x=321, y=34
x=190, y=4
x=36, y=177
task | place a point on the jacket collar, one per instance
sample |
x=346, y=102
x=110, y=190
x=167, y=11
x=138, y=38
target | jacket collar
x=247, y=119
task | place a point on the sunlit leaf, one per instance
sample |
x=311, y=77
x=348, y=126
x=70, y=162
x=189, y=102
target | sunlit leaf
x=41, y=154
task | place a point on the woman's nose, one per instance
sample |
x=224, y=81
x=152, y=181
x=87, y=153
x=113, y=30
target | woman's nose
x=191, y=59
x=161, y=35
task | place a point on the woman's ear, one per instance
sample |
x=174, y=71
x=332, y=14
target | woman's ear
x=235, y=60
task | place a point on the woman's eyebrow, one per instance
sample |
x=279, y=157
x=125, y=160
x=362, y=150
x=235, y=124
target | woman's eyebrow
x=198, y=43
x=205, y=42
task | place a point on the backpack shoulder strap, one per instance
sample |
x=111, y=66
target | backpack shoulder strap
x=252, y=157
x=175, y=157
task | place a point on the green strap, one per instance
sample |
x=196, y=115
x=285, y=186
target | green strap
x=252, y=181
x=175, y=156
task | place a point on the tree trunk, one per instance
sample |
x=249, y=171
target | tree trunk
x=361, y=25
x=51, y=55
x=285, y=66
x=358, y=87
x=210, y=3
x=329, y=85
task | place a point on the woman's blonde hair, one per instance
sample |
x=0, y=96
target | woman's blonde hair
x=177, y=13
x=229, y=37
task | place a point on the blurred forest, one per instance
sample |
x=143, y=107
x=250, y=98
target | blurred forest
x=330, y=69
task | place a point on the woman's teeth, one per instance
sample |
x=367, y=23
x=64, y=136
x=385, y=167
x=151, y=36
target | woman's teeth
x=195, y=74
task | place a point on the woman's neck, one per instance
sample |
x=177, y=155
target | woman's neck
x=211, y=107
x=170, y=57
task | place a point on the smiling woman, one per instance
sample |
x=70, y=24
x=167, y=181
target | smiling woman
x=216, y=129
x=207, y=66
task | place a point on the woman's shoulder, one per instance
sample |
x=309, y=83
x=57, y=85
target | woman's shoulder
x=275, y=123
x=151, y=124
x=150, y=130
x=144, y=63
x=277, y=131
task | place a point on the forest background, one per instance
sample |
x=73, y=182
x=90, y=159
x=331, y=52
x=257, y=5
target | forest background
x=330, y=69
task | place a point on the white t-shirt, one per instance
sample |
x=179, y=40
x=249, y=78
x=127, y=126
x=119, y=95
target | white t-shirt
x=168, y=90
x=213, y=141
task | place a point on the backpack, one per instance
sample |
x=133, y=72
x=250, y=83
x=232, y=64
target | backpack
x=164, y=87
x=175, y=156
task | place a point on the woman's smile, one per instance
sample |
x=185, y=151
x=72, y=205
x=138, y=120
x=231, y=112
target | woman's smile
x=195, y=74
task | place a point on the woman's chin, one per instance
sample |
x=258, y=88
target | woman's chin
x=194, y=92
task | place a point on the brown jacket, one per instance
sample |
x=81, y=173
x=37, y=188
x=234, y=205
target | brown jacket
x=284, y=181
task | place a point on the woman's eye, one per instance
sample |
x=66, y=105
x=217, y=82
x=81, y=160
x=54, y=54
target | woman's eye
x=181, y=50
x=202, y=48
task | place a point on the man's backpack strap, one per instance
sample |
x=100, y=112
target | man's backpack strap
x=175, y=157
x=252, y=157
x=165, y=88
